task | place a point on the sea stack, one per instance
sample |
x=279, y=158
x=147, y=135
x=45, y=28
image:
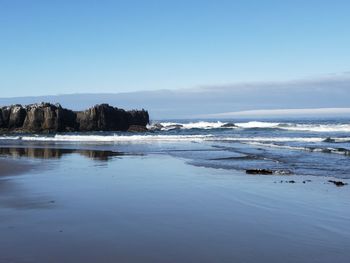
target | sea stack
x=47, y=117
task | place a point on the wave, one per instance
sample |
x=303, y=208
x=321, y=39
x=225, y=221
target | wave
x=273, y=139
x=316, y=127
x=337, y=140
x=342, y=151
x=167, y=126
x=257, y=124
x=10, y=138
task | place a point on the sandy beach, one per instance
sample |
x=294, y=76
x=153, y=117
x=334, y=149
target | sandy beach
x=158, y=208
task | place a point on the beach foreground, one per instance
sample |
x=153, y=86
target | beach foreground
x=158, y=208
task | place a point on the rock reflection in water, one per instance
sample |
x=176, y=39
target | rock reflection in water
x=57, y=153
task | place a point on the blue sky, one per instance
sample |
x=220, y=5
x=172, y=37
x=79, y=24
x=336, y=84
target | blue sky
x=56, y=47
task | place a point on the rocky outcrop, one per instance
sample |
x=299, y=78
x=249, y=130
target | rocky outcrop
x=12, y=117
x=137, y=128
x=50, y=118
x=107, y=118
x=46, y=117
x=103, y=117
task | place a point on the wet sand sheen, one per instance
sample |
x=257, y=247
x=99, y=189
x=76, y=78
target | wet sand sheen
x=159, y=209
x=13, y=167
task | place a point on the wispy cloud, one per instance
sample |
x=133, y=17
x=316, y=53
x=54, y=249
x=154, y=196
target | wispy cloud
x=280, y=112
x=317, y=95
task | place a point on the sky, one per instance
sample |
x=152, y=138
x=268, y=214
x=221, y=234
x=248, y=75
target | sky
x=58, y=47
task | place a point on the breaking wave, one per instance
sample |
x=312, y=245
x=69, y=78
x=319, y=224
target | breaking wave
x=166, y=126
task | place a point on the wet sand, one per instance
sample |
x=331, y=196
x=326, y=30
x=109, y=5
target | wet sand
x=160, y=209
x=13, y=167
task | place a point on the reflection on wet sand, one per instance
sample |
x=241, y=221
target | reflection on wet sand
x=56, y=153
x=14, y=195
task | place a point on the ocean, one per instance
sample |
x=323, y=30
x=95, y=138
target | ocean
x=317, y=147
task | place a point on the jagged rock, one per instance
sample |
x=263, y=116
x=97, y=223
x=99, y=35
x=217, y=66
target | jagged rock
x=2, y=121
x=267, y=171
x=329, y=139
x=137, y=128
x=107, y=118
x=228, y=125
x=135, y=117
x=46, y=117
x=49, y=117
x=259, y=171
x=12, y=117
x=102, y=118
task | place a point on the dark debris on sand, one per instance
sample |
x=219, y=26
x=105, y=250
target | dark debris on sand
x=337, y=183
x=268, y=172
x=259, y=171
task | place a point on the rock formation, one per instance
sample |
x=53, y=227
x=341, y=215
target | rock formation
x=49, y=118
x=46, y=117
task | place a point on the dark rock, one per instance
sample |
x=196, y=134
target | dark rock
x=102, y=118
x=5, y=116
x=107, y=118
x=137, y=128
x=14, y=116
x=2, y=121
x=270, y=172
x=174, y=127
x=329, y=139
x=258, y=171
x=291, y=182
x=229, y=125
x=139, y=118
x=337, y=183
x=46, y=117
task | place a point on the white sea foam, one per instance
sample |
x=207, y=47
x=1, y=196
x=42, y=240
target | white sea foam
x=273, y=139
x=317, y=128
x=115, y=138
x=297, y=127
x=258, y=124
x=277, y=146
x=10, y=137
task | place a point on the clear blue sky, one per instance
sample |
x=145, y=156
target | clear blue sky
x=55, y=47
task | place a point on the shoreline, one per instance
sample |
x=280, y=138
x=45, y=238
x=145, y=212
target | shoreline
x=16, y=163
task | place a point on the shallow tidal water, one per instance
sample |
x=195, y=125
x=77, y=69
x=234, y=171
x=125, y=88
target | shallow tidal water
x=317, y=147
x=100, y=206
